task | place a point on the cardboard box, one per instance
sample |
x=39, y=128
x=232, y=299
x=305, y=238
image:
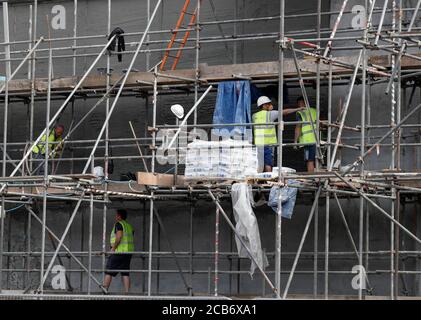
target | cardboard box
x=159, y=179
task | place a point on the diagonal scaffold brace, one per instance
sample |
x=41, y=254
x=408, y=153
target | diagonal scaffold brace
x=166, y=236
x=388, y=216
x=221, y=210
x=351, y=238
x=402, y=49
x=384, y=137
x=142, y=40
x=33, y=214
x=303, y=239
x=304, y=93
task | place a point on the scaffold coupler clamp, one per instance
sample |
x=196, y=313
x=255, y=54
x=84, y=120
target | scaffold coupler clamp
x=284, y=43
x=3, y=187
x=104, y=290
x=152, y=129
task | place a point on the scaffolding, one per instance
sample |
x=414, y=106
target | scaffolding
x=398, y=68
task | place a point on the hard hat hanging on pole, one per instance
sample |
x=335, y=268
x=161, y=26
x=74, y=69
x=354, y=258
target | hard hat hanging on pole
x=178, y=111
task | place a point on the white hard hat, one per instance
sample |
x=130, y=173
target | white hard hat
x=263, y=100
x=178, y=110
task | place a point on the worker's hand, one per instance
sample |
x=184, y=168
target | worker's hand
x=301, y=109
x=295, y=147
x=112, y=250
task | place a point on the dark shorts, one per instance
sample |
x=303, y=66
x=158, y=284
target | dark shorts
x=310, y=153
x=118, y=262
x=268, y=156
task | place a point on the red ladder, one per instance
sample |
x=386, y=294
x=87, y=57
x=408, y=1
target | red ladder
x=174, y=37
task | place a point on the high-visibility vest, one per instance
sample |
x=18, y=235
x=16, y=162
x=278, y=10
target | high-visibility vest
x=126, y=243
x=307, y=133
x=264, y=134
x=51, y=147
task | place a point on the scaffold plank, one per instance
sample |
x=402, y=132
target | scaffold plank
x=258, y=70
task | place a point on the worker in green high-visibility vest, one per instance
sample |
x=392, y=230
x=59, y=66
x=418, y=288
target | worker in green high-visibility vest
x=122, y=244
x=265, y=136
x=304, y=133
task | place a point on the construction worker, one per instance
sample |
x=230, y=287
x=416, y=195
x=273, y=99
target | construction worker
x=265, y=135
x=38, y=151
x=122, y=243
x=304, y=133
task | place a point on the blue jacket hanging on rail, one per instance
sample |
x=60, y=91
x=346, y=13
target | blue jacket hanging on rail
x=233, y=105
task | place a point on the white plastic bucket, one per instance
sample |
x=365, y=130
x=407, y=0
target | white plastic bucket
x=99, y=172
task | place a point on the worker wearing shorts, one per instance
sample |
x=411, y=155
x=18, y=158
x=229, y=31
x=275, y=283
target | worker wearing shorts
x=122, y=244
x=305, y=135
x=310, y=153
x=265, y=135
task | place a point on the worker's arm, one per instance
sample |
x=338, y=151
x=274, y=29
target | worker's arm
x=118, y=237
x=286, y=112
x=297, y=133
x=57, y=148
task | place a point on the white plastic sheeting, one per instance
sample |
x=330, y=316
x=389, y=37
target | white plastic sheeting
x=247, y=226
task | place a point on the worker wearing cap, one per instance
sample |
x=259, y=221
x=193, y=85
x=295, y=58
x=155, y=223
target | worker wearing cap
x=304, y=133
x=54, y=147
x=122, y=245
x=265, y=135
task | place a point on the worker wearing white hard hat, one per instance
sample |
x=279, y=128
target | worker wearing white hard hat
x=265, y=137
x=263, y=100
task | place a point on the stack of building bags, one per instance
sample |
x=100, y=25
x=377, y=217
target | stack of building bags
x=227, y=159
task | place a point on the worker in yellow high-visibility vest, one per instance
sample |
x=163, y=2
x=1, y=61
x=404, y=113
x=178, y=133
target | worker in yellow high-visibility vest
x=304, y=133
x=54, y=149
x=122, y=244
x=265, y=137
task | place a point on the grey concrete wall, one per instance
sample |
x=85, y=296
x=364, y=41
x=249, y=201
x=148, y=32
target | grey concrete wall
x=131, y=16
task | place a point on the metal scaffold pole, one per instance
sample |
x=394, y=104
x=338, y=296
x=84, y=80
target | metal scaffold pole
x=6, y=86
x=107, y=146
x=328, y=153
x=153, y=160
x=6, y=107
x=278, y=219
x=46, y=147
x=34, y=21
x=392, y=164
x=2, y=218
x=362, y=147
x=303, y=238
x=90, y=159
x=398, y=137
x=307, y=61
x=216, y=277
x=318, y=159
x=75, y=10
